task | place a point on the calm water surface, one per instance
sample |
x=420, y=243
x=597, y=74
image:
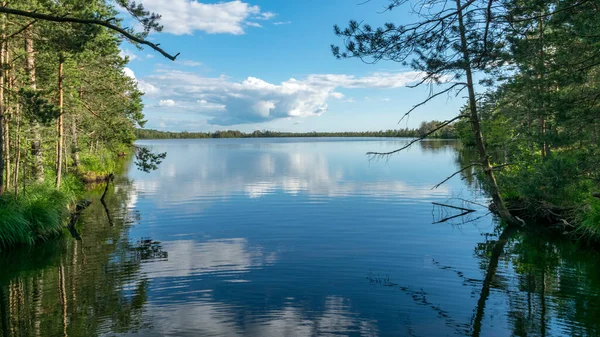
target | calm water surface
x=298, y=237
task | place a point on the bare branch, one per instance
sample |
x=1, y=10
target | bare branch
x=455, y=207
x=443, y=124
x=454, y=174
x=432, y=96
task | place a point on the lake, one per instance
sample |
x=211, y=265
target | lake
x=298, y=237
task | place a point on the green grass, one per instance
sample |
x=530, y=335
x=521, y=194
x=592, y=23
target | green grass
x=589, y=226
x=36, y=215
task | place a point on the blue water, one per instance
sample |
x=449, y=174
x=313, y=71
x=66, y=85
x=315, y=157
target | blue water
x=299, y=237
x=274, y=237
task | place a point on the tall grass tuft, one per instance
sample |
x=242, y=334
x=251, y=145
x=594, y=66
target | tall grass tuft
x=37, y=214
x=589, y=227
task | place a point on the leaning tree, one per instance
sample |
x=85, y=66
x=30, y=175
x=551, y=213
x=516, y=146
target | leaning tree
x=448, y=43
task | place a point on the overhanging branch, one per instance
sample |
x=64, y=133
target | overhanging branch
x=443, y=124
x=104, y=23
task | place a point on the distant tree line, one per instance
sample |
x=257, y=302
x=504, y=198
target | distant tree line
x=447, y=132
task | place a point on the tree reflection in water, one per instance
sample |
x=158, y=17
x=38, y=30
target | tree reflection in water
x=75, y=287
x=522, y=281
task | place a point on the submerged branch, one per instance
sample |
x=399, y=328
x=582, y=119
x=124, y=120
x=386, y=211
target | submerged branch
x=454, y=216
x=455, y=207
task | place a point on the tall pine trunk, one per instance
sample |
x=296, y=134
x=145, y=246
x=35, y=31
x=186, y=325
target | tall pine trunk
x=488, y=170
x=75, y=145
x=7, y=111
x=2, y=107
x=18, y=150
x=36, y=142
x=59, y=144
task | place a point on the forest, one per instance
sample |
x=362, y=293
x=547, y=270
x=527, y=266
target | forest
x=68, y=109
x=530, y=71
x=447, y=132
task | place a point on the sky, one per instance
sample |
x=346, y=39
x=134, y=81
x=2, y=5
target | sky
x=267, y=65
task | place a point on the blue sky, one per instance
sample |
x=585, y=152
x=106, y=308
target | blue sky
x=267, y=65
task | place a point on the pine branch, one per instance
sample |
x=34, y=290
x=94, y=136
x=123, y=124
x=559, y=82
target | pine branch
x=104, y=23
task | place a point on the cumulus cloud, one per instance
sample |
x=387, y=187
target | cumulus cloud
x=182, y=17
x=143, y=86
x=254, y=100
x=129, y=73
x=147, y=88
x=166, y=102
x=266, y=16
x=127, y=53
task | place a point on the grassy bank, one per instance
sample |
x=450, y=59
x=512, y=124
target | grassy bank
x=40, y=212
x=36, y=214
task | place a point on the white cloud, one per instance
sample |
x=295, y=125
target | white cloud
x=181, y=17
x=266, y=16
x=149, y=56
x=166, y=102
x=254, y=100
x=129, y=73
x=386, y=99
x=147, y=88
x=253, y=24
x=278, y=23
x=127, y=53
x=375, y=80
x=143, y=86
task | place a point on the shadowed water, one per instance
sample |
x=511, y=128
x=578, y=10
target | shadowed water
x=298, y=237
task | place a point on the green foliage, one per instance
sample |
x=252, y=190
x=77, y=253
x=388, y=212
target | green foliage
x=36, y=107
x=590, y=224
x=148, y=161
x=99, y=163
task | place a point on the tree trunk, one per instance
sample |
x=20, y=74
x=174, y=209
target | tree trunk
x=2, y=107
x=59, y=144
x=36, y=142
x=18, y=151
x=483, y=154
x=7, y=111
x=75, y=145
x=544, y=146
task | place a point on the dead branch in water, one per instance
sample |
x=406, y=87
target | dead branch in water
x=455, y=207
